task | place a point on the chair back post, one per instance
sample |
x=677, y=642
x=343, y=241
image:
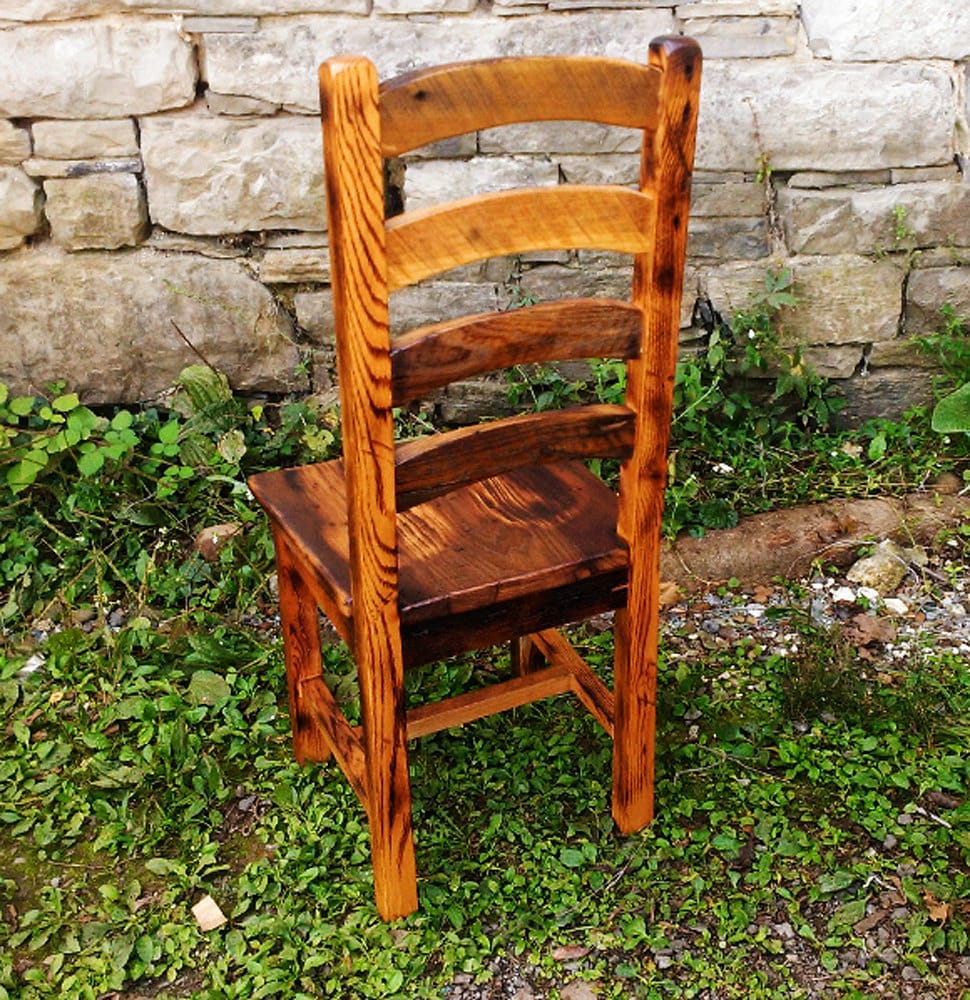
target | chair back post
x=355, y=209
x=666, y=166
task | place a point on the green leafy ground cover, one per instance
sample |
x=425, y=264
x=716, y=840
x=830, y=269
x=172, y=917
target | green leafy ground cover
x=145, y=759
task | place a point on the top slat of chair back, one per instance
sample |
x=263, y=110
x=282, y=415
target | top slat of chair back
x=445, y=101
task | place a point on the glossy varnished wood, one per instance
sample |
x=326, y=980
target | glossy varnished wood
x=495, y=541
x=433, y=465
x=666, y=161
x=355, y=210
x=431, y=357
x=443, y=101
x=418, y=550
x=503, y=223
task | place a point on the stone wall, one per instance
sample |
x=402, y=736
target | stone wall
x=160, y=176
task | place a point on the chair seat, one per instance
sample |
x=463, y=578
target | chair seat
x=500, y=541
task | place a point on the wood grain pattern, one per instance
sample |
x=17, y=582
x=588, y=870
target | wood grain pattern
x=590, y=690
x=355, y=207
x=499, y=697
x=573, y=216
x=666, y=162
x=346, y=743
x=301, y=650
x=431, y=357
x=431, y=466
x=529, y=531
x=424, y=549
x=487, y=551
x=443, y=101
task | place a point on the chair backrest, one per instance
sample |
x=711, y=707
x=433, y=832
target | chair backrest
x=364, y=123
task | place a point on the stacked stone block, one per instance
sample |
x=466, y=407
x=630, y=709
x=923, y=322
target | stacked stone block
x=161, y=177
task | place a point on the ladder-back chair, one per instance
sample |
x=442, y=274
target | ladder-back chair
x=499, y=532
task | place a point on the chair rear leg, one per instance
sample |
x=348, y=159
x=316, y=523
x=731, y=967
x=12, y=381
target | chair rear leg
x=634, y=726
x=526, y=658
x=301, y=650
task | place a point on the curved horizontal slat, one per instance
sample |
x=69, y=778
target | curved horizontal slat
x=430, y=357
x=432, y=104
x=432, y=466
x=571, y=216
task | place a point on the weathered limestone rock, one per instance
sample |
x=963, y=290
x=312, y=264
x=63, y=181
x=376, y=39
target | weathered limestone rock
x=428, y=182
x=800, y=118
x=116, y=312
x=59, y=10
x=20, y=207
x=728, y=219
x=205, y=246
x=728, y=285
x=833, y=360
x=94, y=69
x=617, y=168
x=38, y=166
x=918, y=175
x=930, y=289
x=466, y=402
x=894, y=217
x=560, y=137
x=14, y=142
x=843, y=300
x=917, y=29
x=278, y=63
x=718, y=197
x=225, y=175
x=739, y=8
x=85, y=140
x=102, y=211
x=436, y=300
x=204, y=24
x=424, y=6
x=728, y=239
x=819, y=180
x=295, y=266
x=886, y=568
x=227, y=104
x=900, y=353
x=884, y=392
x=314, y=314
x=725, y=37
x=544, y=282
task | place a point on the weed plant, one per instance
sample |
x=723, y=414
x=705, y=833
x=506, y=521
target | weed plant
x=145, y=761
x=755, y=428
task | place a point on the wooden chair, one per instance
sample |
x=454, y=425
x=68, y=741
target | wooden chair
x=419, y=550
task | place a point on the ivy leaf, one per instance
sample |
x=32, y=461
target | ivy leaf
x=952, y=413
x=90, y=463
x=66, y=403
x=207, y=688
x=21, y=405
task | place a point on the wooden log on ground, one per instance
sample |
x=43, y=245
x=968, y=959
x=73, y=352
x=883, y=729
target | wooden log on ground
x=787, y=543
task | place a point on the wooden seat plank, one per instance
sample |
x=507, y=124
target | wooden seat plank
x=497, y=540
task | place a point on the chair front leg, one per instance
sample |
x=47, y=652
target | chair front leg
x=301, y=650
